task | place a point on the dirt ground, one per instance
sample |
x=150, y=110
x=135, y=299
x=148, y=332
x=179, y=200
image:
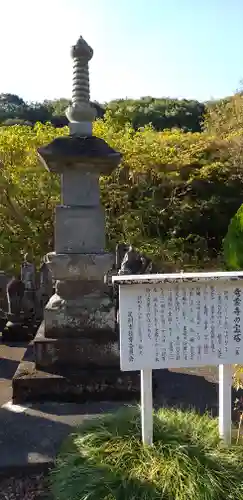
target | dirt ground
x=24, y=488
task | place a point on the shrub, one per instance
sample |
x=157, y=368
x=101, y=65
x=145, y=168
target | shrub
x=233, y=242
x=105, y=460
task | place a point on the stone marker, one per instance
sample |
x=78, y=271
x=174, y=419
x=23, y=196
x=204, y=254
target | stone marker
x=45, y=285
x=15, y=326
x=78, y=332
x=4, y=279
x=28, y=277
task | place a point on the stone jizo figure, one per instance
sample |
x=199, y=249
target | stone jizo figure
x=121, y=249
x=15, y=297
x=16, y=327
x=132, y=262
x=28, y=276
x=46, y=286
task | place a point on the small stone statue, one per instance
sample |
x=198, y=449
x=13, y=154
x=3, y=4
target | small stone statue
x=15, y=297
x=121, y=250
x=46, y=285
x=132, y=262
x=4, y=279
x=15, y=329
x=28, y=276
x=128, y=261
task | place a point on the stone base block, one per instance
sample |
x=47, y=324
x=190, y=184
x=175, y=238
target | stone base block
x=92, y=315
x=82, y=352
x=86, y=267
x=69, y=289
x=73, y=385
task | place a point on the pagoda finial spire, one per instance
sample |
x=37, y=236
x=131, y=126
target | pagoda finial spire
x=81, y=114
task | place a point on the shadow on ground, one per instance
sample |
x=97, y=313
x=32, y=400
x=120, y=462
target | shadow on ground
x=8, y=368
x=31, y=436
x=10, y=356
x=185, y=391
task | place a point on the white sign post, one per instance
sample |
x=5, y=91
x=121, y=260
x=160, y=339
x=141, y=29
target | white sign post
x=181, y=320
x=225, y=402
x=147, y=407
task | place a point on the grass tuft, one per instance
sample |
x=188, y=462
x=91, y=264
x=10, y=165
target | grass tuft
x=105, y=460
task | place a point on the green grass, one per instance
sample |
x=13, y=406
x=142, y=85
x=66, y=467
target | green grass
x=105, y=460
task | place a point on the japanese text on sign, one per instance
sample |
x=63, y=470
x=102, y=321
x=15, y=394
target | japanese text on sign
x=180, y=324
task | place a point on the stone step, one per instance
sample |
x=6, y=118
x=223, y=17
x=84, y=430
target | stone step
x=84, y=352
x=72, y=384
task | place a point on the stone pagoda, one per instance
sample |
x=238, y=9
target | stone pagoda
x=76, y=350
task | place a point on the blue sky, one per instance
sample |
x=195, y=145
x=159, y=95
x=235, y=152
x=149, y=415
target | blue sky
x=175, y=48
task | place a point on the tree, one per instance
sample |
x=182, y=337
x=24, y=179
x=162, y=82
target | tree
x=11, y=106
x=162, y=113
x=27, y=194
x=224, y=116
x=172, y=197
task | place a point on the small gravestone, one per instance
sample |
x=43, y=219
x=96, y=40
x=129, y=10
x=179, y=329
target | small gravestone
x=4, y=279
x=22, y=304
x=28, y=277
x=15, y=327
x=45, y=285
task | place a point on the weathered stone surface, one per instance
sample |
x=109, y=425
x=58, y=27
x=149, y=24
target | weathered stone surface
x=90, y=267
x=84, y=352
x=90, y=154
x=80, y=188
x=73, y=288
x=81, y=111
x=79, y=230
x=74, y=317
x=30, y=384
x=4, y=279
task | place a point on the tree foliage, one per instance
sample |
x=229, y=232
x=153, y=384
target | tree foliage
x=161, y=113
x=173, y=195
x=14, y=110
x=27, y=194
x=225, y=119
x=224, y=116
